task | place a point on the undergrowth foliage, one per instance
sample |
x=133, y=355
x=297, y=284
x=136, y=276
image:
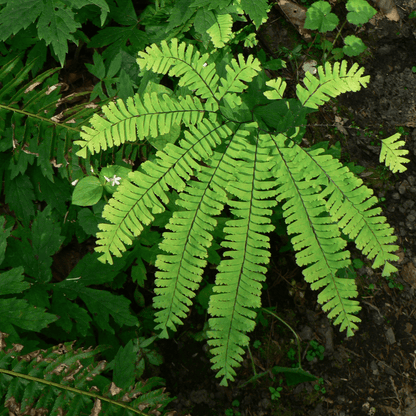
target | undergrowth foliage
x=240, y=145
x=63, y=379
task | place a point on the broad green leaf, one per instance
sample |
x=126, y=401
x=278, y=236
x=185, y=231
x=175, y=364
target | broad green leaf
x=319, y=17
x=19, y=196
x=46, y=240
x=88, y=191
x=89, y=221
x=55, y=194
x=18, y=312
x=124, y=366
x=102, y=305
x=12, y=281
x=70, y=314
x=360, y=12
x=353, y=46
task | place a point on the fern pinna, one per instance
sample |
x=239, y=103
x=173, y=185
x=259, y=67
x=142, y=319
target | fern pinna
x=243, y=151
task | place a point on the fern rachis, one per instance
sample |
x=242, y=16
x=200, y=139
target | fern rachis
x=243, y=157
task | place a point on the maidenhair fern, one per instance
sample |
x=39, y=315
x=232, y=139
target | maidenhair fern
x=240, y=147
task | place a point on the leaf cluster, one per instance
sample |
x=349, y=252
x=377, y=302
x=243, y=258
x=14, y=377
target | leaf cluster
x=241, y=140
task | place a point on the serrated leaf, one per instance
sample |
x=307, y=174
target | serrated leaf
x=12, y=281
x=257, y=10
x=56, y=25
x=4, y=234
x=18, y=312
x=18, y=15
x=69, y=313
x=19, y=196
x=102, y=305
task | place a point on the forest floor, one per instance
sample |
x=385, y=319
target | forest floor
x=373, y=372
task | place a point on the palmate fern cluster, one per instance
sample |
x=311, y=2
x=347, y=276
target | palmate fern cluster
x=240, y=141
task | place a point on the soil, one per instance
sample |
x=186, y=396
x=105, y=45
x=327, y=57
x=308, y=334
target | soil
x=373, y=372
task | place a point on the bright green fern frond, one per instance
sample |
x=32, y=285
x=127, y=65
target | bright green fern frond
x=184, y=62
x=187, y=243
x=238, y=283
x=135, y=201
x=238, y=73
x=220, y=31
x=331, y=83
x=318, y=242
x=141, y=118
x=351, y=204
x=392, y=155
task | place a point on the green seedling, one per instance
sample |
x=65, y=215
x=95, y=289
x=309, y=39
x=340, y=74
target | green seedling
x=315, y=351
x=392, y=284
x=319, y=17
x=275, y=393
x=319, y=386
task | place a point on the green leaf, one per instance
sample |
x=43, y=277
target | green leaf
x=18, y=312
x=98, y=69
x=319, y=17
x=19, y=196
x=360, y=12
x=55, y=194
x=102, y=305
x=88, y=191
x=70, y=313
x=294, y=376
x=4, y=234
x=257, y=10
x=12, y=281
x=112, y=176
x=55, y=25
x=124, y=366
x=35, y=247
x=89, y=221
x=18, y=15
x=392, y=155
x=353, y=46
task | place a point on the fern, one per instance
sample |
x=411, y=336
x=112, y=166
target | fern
x=67, y=380
x=242, y=150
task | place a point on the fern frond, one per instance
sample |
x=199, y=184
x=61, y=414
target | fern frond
x=59, y=380
x=318, y=241
x=220, y=31
x=392, y=155
x=184, y=62
x=141, y=118
x=239, y=72
x=238, y=283
x=187, y=243
x=331, y=83
x=135, y=201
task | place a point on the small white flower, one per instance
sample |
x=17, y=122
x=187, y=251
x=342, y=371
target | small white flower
x=74, y=182
x=115, y=180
